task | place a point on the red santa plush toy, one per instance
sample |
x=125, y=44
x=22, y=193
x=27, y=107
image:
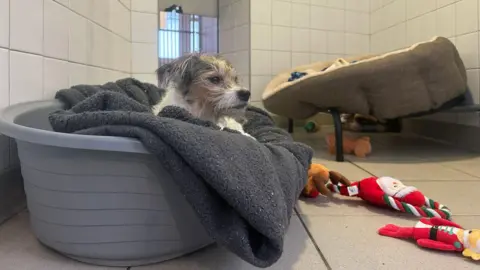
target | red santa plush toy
x=392, y=193
x=440, y=234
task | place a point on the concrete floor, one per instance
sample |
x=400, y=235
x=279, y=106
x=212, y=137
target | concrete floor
x=337, y=234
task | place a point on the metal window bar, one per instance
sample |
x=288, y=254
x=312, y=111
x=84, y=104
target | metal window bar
x=180, y=34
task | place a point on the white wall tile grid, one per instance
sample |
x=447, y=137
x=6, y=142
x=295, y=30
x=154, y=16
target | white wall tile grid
x=235, y=35
x=285, y=34
x=46, y=45
x=399, y=23
x=144, y=37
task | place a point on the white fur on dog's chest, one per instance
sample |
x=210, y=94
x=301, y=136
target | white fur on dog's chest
x=228, y=122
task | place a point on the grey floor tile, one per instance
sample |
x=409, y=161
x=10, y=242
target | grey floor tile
x=352, y=242
x=19, y=250
x=417, y=171
x=468, y=165
x=349, y=170
x=299, y=254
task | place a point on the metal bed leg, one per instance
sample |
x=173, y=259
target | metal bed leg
x=338, y=134
x=290, y=125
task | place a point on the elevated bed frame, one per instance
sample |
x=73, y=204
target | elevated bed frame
x=422, y=79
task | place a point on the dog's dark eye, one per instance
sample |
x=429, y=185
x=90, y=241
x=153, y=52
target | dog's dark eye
x=215, y=80
x=236, y=79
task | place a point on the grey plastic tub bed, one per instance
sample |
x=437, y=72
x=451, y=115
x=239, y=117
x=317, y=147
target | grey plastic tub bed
x=100, y=200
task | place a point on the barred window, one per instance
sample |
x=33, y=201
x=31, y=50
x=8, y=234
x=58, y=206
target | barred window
x=185, y=33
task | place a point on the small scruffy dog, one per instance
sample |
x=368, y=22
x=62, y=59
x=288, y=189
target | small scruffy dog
x=207, y=86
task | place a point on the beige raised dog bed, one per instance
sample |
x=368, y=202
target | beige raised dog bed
x=424, y=78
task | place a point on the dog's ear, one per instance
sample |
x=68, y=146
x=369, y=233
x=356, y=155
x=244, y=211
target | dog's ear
x=181, y=71
x=186, y=68
x=164, y=71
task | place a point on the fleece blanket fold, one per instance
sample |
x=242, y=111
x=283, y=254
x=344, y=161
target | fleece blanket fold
x=242, y=189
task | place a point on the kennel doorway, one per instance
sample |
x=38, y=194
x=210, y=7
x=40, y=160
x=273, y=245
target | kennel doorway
x=180, y=34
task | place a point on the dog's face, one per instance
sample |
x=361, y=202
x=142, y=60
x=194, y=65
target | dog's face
x=207, y=84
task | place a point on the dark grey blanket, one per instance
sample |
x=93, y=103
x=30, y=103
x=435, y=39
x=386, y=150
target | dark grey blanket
x=243, y=190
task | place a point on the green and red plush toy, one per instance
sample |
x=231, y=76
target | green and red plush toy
x=392, y=193
x=433, y=231
x=440, y=234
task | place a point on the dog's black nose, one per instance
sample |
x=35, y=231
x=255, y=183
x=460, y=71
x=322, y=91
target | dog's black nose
x=243, y=95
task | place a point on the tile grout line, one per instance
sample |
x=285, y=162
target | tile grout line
x=426, y=180
x=460, y=171
x=320, y=253
x=13, y=216
x=121, y=3
x=94, y=22
x=358, y=166
x=63, y=60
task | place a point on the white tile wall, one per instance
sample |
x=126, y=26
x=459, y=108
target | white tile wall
x=318, y=57
x=468, y=47
x=258, y=14
x=335, y=43
x=300, y=16
x=259, y=82
x=55, y=40
x=4, y=78
x=77, y=73
x=26, y=77
x=357, y=22
x=281, y=61
x=416, y=8
x=281, y=38
x=144, y=36
x=296, y=32
x=356, y=44
x=421, y=28
x=358, y=5
x=318, y=41
x=119, y=21
x=26, y=25
x=148, y=6
x=399, y=23
x=241, y=12
x=79, y=38
x=262, y=36
x=301, y=40
x=4, y=23
x=466, y=14
x=47, y=45
x=55, y=76
x=281, y=13
x=144, y=57
x=445, y=21
x=299, y=59
x=144, y=27
x=241, y=42
x=83, y=7
x=126, y=3
x=241, y=38
x=261, y=62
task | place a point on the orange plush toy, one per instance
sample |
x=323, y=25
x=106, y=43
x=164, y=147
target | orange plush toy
x=318, y=177
x=360, y=147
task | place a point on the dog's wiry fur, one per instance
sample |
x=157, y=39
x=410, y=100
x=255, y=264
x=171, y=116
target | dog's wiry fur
x=207, y=86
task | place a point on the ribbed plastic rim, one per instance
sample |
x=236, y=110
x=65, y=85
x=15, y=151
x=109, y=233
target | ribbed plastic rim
x=44, y=137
